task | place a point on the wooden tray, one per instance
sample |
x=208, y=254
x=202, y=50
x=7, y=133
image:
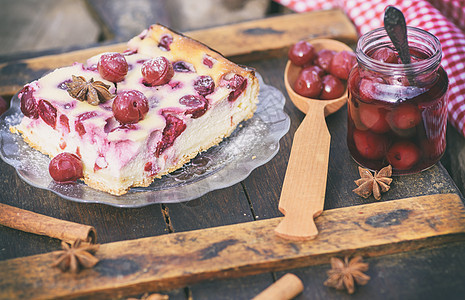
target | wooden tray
x=178, y=259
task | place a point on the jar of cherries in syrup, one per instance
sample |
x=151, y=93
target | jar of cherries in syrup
x=397, y=113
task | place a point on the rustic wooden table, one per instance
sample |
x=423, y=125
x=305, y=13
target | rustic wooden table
x=435, y=271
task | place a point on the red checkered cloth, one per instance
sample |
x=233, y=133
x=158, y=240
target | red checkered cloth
x=443, y=18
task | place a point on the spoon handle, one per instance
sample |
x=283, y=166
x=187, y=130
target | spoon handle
x=304, y=187
x=396, y=28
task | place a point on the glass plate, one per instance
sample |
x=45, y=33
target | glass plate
x=252, y=144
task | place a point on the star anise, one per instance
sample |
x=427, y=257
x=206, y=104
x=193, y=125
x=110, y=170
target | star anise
x=76, y=256
x=344, y=274
x=377, y=184
x=94, y=92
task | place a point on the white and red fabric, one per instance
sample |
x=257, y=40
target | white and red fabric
x=443, y=18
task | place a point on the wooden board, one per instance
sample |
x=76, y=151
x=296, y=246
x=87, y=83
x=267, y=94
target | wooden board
x=252, y=40
x=254, y=198
x=179, y=259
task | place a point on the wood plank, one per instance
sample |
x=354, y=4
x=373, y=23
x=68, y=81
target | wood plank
x=158, y=263
x=275, y=34
x=241, y=42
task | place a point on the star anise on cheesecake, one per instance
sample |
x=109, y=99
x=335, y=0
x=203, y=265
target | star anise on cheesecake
x=345, y=273
x=94, y=92
x=373, y=184
x=75, y=257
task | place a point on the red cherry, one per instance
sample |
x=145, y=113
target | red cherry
x=318, y=70
x=370, y=88
x=112, y=67
x=165, y=42
x=130, y=106
x=183, y=67
x=197, y=105
x=237, y=84
x=342, y=63
x=332, y=87
x=78, y=126
x=308, y=84
x=386, y=55
x=28, y=103
x=64, y=121
x=157, y=71
x=3, y=105
x=405, y=116
x=65, y=168
x=174, y=127
x=301, y=53
x=373, y=117
x=323, y=58
x=403, y=155
x=204, y=85
x=47, y=112
x=354, y=115
x=370, y=145
x=413, y=57
x=148, y=166
x=208, y=61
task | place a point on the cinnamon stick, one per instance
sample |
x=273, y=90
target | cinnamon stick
x=28, y=221
x=287, y=287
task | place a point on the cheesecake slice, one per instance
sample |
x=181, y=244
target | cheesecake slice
x=135, y=116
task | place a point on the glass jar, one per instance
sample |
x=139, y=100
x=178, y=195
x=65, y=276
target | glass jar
x=397, y=113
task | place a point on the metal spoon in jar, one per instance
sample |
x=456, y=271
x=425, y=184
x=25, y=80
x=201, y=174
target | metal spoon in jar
x=396, y=28
x=303, y=193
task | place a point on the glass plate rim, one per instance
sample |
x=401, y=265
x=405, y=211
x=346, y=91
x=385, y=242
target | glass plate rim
x=264, y=88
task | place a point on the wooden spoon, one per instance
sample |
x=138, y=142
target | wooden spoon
x=303, y=194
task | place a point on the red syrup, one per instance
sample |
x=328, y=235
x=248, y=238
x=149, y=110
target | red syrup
x=397, y=114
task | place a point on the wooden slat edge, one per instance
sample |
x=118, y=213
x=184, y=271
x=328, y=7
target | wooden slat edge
x=180, y=259
x=274, y=34
x=240, y=42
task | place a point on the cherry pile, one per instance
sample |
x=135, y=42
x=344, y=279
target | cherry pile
x=391, y=121
x=323, y=74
